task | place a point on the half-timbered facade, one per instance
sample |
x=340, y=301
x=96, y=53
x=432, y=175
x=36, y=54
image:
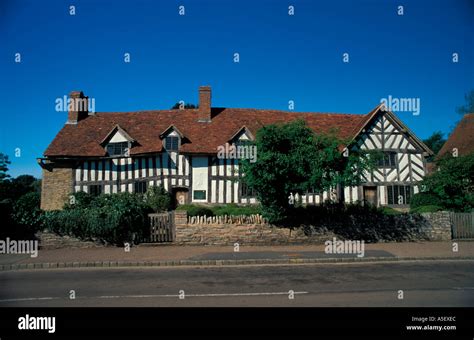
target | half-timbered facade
x=178, y=149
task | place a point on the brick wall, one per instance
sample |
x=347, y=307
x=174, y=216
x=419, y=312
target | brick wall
x=56, y=186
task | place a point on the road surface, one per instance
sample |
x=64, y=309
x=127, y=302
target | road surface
x=423, y=284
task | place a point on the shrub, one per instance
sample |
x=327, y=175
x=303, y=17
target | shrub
x=221, y=210
x=27, y=213
x=71, y=222
x=79, y=200
x=196, y=210
x=158, y=199
x=390, y=211
x=234, y=209
x=424, y=199
x=116, y=219
x=356, y=222
x=426, y=209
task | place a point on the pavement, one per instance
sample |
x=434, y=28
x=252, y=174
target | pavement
x=179, y=255
x=447, y=283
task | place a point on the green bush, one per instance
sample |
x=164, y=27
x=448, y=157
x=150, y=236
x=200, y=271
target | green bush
x=27, y=213
x=71, y=222
x=158, y=199
x=426, y=209
x=234, y=209
x=424, y=199
x=115, y=218
x=356, y=222
x=221, y=210
x=196, y=210
x=79, y=200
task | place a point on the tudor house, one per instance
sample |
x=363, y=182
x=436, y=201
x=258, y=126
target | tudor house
x=111, y=152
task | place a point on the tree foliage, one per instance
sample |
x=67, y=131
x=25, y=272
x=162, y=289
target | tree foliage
x=177, y=106
x=4, y=162
x=435, y=142
x=468, y=107
x=292, y=158
x=453, y=183
x=158, y=199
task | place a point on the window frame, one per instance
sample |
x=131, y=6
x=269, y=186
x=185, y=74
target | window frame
x=142, y=187
x=122, y=147
x=200, y=191
x=389, y=160
x=172, y=147
x=395, y=190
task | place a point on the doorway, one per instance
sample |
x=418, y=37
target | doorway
x=180, y=196
x=370, y=195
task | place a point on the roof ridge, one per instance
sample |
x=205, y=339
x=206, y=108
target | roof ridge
x=233, y=108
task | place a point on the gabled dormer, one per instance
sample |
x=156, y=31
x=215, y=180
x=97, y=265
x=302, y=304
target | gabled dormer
x=118, y=142
x=172, y=139
x=242, y=136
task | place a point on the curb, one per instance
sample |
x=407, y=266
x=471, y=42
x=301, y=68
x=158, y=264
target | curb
x=218, y=263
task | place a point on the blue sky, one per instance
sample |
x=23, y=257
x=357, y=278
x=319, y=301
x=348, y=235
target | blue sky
x=282, y=58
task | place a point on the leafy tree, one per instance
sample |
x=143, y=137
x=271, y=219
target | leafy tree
x=435, y=142
x=292, y=158
x=158, y=199
x=27, y=213
x=25, y=180
x=468, y=107
x=453, y=183
x=4, y=167
x=177, y=106
x=12, y=189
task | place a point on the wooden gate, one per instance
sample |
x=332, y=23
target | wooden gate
x=462, y=225
x=162, y=228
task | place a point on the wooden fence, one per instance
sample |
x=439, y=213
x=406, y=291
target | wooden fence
x=162, y=227
x=462, y=225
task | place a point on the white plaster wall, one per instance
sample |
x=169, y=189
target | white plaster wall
x=200, y=173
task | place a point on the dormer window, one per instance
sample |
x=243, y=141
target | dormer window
x=172, y=143
x=172, y=139
x=118, y=149
x=242, y=137
x=117, y=143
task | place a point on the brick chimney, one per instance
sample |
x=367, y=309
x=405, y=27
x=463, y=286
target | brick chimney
x=78, y=106
x=204, y=110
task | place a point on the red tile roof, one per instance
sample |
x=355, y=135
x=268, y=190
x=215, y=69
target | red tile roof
x=462, y=138
x=83, y=139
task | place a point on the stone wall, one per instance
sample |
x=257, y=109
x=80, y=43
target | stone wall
x=430, y=226
x=211, y=232
x=438, y=226
x=56, y=186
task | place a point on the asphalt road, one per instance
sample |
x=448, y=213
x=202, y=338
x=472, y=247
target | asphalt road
x=424, y=284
